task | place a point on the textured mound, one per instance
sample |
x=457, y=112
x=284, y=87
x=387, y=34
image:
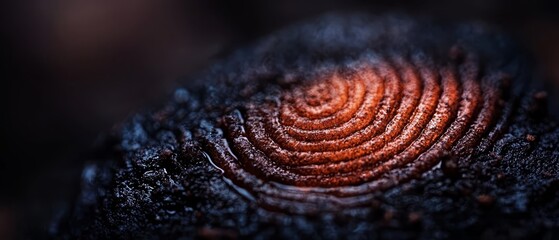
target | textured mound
x=387, y=127
x=354, y=129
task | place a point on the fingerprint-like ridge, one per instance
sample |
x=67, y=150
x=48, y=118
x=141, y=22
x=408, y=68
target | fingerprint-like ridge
x=336, y=139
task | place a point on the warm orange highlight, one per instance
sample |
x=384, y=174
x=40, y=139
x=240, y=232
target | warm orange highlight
x=350, y=132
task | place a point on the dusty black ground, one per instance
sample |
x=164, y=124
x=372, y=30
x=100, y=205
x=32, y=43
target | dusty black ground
x=151, y=178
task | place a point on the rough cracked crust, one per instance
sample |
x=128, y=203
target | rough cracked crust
x=278, y=141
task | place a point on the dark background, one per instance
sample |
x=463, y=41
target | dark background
x=72, y=69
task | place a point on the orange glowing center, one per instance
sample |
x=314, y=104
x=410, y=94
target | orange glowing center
x=356, y=130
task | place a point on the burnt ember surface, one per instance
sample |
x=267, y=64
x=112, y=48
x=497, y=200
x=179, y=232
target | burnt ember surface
x=380, y=127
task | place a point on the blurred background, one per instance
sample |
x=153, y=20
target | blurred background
x=72, y=69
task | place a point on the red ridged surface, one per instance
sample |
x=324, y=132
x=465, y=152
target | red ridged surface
x=335, y=139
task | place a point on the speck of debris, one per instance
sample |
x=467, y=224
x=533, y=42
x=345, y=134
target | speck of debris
x=495, y=156
x=216, y=233
x=388, y=215
x=485, y=200
x=530, y=137
x=541, y=95
x=456, y=53
x=449, y=166
x=500, y=176
x=414, y=217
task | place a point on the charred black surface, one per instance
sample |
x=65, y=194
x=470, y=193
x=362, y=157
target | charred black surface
x=160, y=182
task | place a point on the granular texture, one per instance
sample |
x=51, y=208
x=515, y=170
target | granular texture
x=385, y=127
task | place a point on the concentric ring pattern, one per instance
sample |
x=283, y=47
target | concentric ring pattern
x=334, y=139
